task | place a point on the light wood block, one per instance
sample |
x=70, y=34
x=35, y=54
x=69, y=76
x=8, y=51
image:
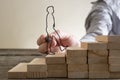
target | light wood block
x=97, y=53
x=57, y=73
x=113, y=46
x=77, y=60
x=37, y=65
x=75, y=74
x=18, y=72
x=98, y=67
x=99, y=74
x=76, y=52
x=36, y=75
x=114, y=60
x=97, y=57
x=77, y=67
x=94, y=45
x=114, y=67
x=97, y=60
x=115, y=75
x=37, y=68
x=57, y=67
x=58, y=58
x=114, y=53
x=105, y=38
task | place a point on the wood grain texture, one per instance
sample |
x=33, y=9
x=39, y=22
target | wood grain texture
x=37, y=65
x=109, y=39
x=114, y=67
x=94, y=45
x=77, y=60
x=99, y=74
x=77, y=74
x=58, y=58
x=18, y=72
x=76, y=52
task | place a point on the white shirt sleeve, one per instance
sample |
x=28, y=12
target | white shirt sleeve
x=99, y=24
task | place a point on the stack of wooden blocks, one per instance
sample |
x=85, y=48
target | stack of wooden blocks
x=97, y=59
x=18, y=72
x=37, y=68
x=51, y=66
x=56, y=65
x=114, y=54
x=77, y=63
x=100, y=59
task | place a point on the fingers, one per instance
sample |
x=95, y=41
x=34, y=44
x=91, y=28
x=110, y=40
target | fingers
x=61, y=37
x=41, y=40
x=57, y=34
x=46, y=47
x=55, y=49
x=65, y=39
x=58, y=39
x=71, y=41
x=53, y=43
x=43, y=48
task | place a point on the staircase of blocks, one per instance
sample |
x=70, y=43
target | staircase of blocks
x=100, y=59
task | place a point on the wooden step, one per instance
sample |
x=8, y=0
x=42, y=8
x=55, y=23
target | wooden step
x=76, y=52
x=37, y=65
x=18, y=72
x=94, y=45
x=109, y=39
x=37, y=68
x=58, y=58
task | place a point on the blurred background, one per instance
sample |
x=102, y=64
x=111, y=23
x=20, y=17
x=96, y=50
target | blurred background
x=23, y=21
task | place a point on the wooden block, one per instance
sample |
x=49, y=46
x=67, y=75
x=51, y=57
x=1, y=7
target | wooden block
x=76, y=52
x=114, y=60
x=97, y=53
x=114, y=53
x=94, y=45
x=57, y=73
x=77, y=60
x=98, y=67
x=57, y=67
x=99, y=74
x=115, y=75
x=75, y=74
x=114, y=67
x=113, y=46
x=37, y=65
x=77, y=67
x=97, y=56
x=97, y=60
x=58, y=58
x=105, y=38
x=37, y=75
x=18, y=72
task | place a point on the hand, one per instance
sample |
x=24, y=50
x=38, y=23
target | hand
x=64, y=40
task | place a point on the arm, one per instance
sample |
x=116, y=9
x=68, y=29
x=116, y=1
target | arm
x=98, y=23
